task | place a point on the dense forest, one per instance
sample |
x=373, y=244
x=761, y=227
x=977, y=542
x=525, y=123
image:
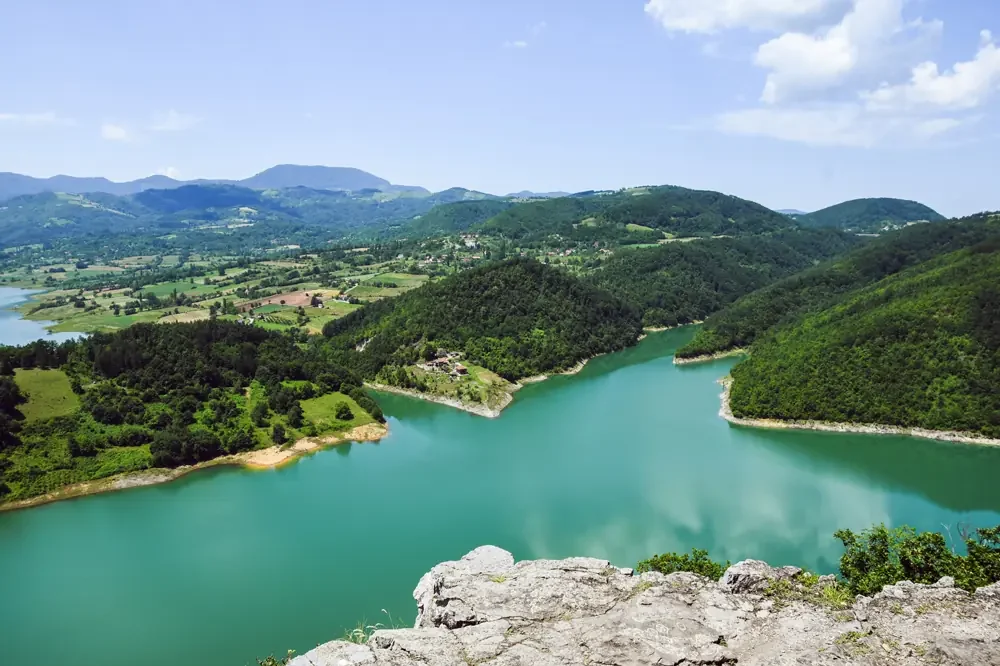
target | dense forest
x=680, y=283
x=517, y=318
x=159, y=396
x=870, y=215
x=645, y=212
x=918, y=349
x=740, y=324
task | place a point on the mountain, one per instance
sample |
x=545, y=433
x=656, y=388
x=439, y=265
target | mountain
x=794, y=212
x=642, y=214
x=516, y=318
x=918, y=349
x=787, y=300
x=528, y=194
x=279, y=177
x=870, y=215
x=680, y=283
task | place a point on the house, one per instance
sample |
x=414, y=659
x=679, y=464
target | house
x=461, y=369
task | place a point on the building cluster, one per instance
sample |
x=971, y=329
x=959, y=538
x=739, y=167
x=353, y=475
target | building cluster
x=446, y=363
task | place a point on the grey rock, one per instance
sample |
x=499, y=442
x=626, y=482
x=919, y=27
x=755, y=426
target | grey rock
x=755, y=576
x=485, y=609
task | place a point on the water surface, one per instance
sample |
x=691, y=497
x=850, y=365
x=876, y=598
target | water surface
x=627, y=459
x=16, y=331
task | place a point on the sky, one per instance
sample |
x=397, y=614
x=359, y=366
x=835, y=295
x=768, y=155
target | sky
x=791, y=103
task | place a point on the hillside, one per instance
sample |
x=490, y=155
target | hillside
x=643, y=214
x=680, y=283
x=155, y=396
x=278, y=177
x=515, y=318
x=870, y=215
x=919, y=349
x=740, y=324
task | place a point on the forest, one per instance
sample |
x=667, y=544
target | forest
x=917, y=349
x=159, y=396
x=740, y=324
x=681, y=283
x=870, y=215
x=516, y=318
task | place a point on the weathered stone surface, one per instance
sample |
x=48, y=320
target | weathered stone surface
x=485, y=609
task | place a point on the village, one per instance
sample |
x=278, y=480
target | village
x=447, y=363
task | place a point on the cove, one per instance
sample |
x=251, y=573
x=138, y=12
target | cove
x=626, y=459
x=14, y=330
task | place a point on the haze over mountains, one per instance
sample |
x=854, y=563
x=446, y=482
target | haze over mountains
x=277, y=177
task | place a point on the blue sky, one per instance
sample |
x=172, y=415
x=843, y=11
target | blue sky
x=793, y=103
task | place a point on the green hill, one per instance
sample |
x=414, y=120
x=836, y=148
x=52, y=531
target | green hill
x=918, y=349
x=516, y=318
x=870, y=215
x=679, y=283
x=740, y=324
x=644, y=213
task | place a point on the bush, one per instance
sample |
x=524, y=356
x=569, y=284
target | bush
x=344, y=412
x=697, y=562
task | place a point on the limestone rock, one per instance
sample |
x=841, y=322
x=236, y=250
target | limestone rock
x=485, y=609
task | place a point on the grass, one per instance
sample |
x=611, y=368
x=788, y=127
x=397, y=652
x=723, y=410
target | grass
x=49, y=394
x=321, y=412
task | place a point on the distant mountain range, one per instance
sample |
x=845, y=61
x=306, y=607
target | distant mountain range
x=870, y=215
x=793, y=212
x=276, y=178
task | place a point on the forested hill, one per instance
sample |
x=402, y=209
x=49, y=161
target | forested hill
x=870, y=215
x=517, y=318
x=740, y=324
x=679, y=283
x=917, y=349
x=648, y=213
x=162, y=396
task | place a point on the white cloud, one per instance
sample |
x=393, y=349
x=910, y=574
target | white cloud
x=847, y=124
x=965, y=86
x=519, y=44
x=35, y=119
x=539, y=28
x=172, y=121
x=864, y=39
x=708, y=16
x=169, y=172
x=113, y=132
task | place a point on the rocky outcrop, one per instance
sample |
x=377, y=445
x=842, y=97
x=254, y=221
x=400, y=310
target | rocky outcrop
x=487, y=609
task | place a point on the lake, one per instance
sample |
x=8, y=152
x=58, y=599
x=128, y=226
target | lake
x=627, y=459
x=17, y=331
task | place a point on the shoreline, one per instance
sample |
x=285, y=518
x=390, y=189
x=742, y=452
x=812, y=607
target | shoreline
x=726, y=412
x=706, y=358
x=260, y=459
x=480, y=409
x=661, y=329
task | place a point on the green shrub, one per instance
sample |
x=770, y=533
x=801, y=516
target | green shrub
x=697, y=562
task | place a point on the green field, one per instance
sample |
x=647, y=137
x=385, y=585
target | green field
x=49, y=394
x=321, y=412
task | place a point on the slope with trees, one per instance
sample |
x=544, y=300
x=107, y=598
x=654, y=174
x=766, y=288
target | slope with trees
x=870, y=215
x=680, y=283
x=740, y=324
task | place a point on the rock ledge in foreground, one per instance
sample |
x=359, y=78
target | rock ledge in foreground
x=487, y=609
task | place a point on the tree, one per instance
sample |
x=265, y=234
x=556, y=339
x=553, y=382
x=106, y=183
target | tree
x=260, y=414
x=278, y=435
x=344, y=412
x=294, y=415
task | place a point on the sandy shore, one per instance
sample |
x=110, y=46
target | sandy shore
x=726, y=412
x=661, y=329
x=709, y=357
x=270, y=458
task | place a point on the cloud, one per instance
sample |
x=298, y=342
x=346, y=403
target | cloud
x=172, y=121
x=539, y=28
x=844, y=124
x=35, y=119
x=709, y=16
x=967, y=85
x=169, y=172
x=871, y=37
x=519, y=44
x=113, y=132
